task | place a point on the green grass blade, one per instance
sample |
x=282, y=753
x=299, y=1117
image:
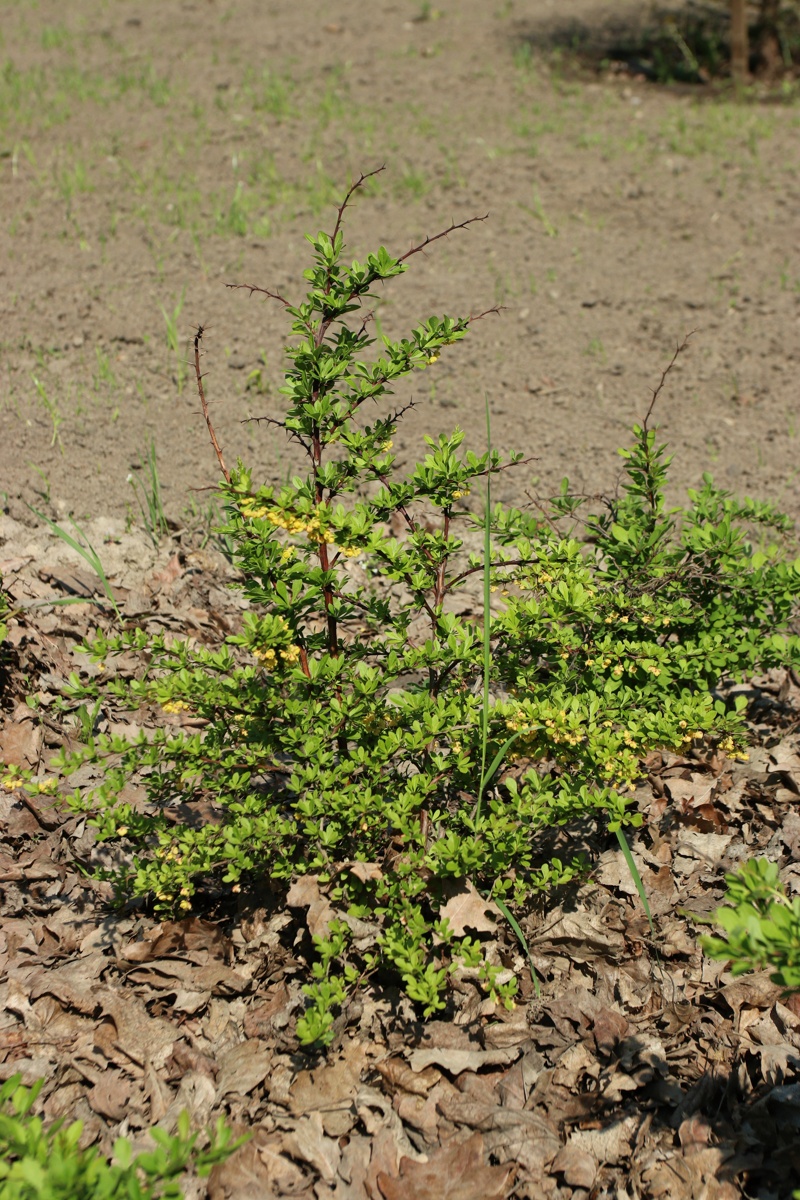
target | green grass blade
x=87, y=553
x=515, y=925
x=636, y=877
x=487, y=616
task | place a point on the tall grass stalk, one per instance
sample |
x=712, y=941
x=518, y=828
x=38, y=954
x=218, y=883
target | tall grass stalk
x=87, y=553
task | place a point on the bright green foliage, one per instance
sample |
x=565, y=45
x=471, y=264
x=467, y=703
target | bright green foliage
x=345, y=724
x=38, y=1163
x=762, y=928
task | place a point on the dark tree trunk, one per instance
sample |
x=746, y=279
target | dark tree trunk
x=770, y=59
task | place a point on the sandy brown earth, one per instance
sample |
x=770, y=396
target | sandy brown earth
x=153, y=153
x=150, y=154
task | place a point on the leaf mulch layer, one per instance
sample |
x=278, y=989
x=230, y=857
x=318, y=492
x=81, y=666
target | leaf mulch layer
x=642, y=1069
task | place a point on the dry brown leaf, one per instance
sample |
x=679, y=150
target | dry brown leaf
x=332, y=1087
x=609, y=1028
x=578, y=1166
x=423, y=1112
x=179, y=939
x=585, y=935
x=457, y=1172
x=309, y=1143
x=111, y=1095
x=366, y=872
x=518, y=1082
x=257, y=1169
x=382, y=1122
x=129, y=1029
x=456, y=1061
x=400, y=1077
x=243, y=1068
x=305, y=893
x=353, y=1168
x=384, y=1160
x=196, y=1094
x=609, y=1145
x=467, y=909
x=261, y=1021
x=21, y=738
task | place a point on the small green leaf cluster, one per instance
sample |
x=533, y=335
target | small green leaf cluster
x=345, y=731
x=47, y=1163
x=761, y=925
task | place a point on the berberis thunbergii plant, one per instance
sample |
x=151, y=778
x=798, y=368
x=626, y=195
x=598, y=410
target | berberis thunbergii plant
x=345, y=732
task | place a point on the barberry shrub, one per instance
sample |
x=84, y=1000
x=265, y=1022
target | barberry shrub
x=345, y=732
x=760, y=924
x=48, y=1162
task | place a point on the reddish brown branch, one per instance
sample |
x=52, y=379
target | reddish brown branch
x=362, y=179
x=252, y=287
x=204, y=403
x=678, y=351
x=451, y=229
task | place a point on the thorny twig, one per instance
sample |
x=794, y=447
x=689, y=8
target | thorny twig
x=451, y=229
x=198, y=337
x=684, y=345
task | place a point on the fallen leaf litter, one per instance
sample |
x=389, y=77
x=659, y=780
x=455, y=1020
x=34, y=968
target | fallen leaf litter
x=643, y=1069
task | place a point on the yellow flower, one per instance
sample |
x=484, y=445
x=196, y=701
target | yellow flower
x=185, y=905
x=175, y=706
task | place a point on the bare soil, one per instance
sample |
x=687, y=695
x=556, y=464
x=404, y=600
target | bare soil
x=150, y=155
x=622, y=216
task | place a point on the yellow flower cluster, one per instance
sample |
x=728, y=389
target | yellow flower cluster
x=175, y=706
x=558, y=734
x=288, y=655
x=737, y=755
x=459, y=493
x=12, y=782
x=311, y=526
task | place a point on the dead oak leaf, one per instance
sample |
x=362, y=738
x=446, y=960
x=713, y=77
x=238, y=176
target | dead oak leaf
x=467, y=909
x=457, y=1172
x=305, y=893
